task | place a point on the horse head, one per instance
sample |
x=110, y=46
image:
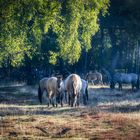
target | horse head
x=59, y=81
x=112, y=84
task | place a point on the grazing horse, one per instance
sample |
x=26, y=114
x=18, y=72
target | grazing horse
x=51, y=86
x=72, y=85
x=84, y=91
x=92, y=77
x=120, y=78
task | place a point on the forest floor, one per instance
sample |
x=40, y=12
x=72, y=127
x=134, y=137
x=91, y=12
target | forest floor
x=109, y=115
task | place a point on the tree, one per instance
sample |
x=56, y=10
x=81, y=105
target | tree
x=24, y=23
x=123, y=29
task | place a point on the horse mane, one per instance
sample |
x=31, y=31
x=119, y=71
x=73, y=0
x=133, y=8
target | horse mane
x=59, y=76
x=73, y=89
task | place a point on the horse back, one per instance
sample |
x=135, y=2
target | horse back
x=99, y=75
x=126, y=78
x=73, y=81
x=52, y=85
x=43, y=83
x=91, y=76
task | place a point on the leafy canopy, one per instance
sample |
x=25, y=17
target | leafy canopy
x=24, y=23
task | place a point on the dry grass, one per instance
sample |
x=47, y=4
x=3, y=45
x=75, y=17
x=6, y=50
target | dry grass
x=109, y=115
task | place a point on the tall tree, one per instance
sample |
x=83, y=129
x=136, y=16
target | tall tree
x=25, y=22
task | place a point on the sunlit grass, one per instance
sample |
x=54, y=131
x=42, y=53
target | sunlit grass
x=110, y=114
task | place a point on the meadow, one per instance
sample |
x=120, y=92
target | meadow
x=110, y=114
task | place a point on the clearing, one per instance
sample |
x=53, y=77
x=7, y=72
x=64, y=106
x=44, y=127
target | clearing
x=110, y=114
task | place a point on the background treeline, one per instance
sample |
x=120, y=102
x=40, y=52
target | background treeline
x=42, y=37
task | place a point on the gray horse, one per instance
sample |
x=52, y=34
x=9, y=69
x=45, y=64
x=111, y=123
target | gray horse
x=84, y=91
x=120, y=78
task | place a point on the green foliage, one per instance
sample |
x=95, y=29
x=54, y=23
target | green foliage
x=25, y=22
x=79, y=23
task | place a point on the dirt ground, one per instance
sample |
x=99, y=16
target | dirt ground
x=109, y=115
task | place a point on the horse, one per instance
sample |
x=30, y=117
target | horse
x=42, y=87
x=120, y=78
x=84, y=91
x=72, y=86
x=51, y=86
x=92, y=77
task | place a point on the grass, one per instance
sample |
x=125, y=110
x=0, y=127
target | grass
x=109, y=115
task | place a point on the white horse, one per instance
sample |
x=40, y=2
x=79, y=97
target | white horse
x=72, y=86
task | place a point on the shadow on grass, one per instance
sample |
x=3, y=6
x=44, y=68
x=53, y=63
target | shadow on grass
x=35, y=110
x=30, y=104
x=125, y=109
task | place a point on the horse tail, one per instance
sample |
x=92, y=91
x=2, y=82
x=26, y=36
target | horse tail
x=86, y=93
x=73, y=88
x=87, y=76
x=40, y=94
x=73, y=94
x=138, y=80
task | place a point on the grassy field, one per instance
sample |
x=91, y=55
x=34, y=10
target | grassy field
x=110, y=114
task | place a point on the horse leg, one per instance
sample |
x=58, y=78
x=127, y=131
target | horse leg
x=72, y=101
x=75, y=100
x=40, y=93
x=84, y=99
x=120, y=86
x=65, y=94
x=48, y=101
x=56, y=101
x=78, y=99
x=69, y=98
x=61, y=99
x=133, y=85
x=52, y=102
x=92, y=82
x=61, y=102
x=101, y=83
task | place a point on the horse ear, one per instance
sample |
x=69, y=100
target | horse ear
x=60, y=77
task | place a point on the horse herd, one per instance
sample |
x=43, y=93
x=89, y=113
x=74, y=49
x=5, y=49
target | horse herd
x=73, y=86
x=57, y=89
